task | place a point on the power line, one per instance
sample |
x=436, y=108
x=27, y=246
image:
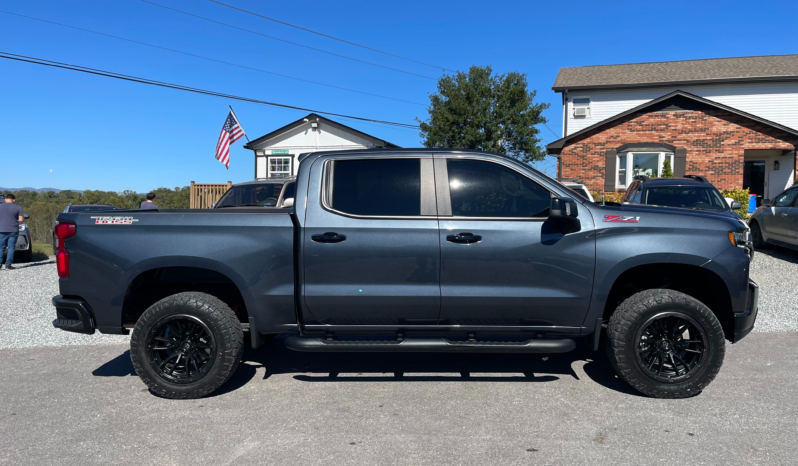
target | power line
x=208, y=58
x=287, y=41
x=552, y=131
x=125, y=77
x=329, y=36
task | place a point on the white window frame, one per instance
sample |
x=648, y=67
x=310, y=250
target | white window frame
x=588, y=106
x=661, y=156
x=281, y=174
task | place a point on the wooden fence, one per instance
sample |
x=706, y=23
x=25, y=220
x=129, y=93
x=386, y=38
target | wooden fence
x=203, y=196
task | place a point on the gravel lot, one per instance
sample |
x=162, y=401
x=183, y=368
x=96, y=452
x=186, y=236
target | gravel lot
x=26, y=314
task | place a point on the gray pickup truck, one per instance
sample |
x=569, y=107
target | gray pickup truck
x=412, y=250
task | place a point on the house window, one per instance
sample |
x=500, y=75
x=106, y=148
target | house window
x=632, y=164
x=279, y=167
x=581, y=107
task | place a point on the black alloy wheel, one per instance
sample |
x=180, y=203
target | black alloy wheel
x=670, y=346
x=181, y=348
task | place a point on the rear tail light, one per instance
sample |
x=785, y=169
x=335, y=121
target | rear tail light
x=63, y=231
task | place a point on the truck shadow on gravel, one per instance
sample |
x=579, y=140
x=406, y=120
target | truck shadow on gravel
x=403, y=367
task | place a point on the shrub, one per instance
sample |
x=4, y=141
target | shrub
x=608, y=196
x=738, y=195
x=667, y=172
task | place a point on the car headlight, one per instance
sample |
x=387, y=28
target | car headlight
x=22, y=227
x=740, y=238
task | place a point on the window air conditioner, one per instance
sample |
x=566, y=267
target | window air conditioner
x=580, y=111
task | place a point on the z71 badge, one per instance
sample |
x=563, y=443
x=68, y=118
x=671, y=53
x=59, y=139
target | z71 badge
x=620, y=219
x=114, y=220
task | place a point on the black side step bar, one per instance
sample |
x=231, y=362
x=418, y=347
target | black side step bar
x=428, y=345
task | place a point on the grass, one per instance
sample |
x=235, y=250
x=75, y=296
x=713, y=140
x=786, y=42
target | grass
x=42, y=251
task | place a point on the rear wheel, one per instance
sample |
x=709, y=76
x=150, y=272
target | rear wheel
x=756, y=236
x=186, y=345
x=665, y=344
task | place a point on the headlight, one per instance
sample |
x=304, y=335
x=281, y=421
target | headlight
x=740, y=238
x=22, y=227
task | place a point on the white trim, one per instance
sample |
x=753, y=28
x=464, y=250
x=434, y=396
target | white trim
x=270, y=173
x=629, y=168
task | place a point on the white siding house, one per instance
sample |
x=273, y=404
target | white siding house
x=276, y=153
x=763, y=89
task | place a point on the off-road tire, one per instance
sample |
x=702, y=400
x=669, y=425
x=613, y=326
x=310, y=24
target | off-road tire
x=756, y=236
x=221, y=321
x=633, y=313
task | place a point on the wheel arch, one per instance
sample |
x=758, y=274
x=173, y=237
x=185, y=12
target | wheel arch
x=691, y=279
x=154, y=280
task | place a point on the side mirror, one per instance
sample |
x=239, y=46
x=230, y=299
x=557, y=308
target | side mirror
x=564, y=211
x=25, y=216
x=736, y=205
x=765, y=202
x=288, y=202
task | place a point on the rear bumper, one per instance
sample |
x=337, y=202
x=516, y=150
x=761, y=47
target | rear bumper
x=744, y=323
x=73, y=315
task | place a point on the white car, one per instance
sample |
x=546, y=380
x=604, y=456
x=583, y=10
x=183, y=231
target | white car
x=576, y=185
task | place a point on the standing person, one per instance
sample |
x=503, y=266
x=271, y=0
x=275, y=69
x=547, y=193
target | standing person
x=10, y=218
x=148, y=204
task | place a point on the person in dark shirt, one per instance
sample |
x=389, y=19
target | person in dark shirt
x=10, y=218
x=148, y=204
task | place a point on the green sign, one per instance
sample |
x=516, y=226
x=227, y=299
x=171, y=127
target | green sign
x=280, y=152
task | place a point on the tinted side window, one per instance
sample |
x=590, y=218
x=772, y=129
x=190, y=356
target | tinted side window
x=786, y=199
x=485, y=189
x=377, y=187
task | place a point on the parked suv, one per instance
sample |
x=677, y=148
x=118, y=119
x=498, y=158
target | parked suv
x=277, y=193
x=776, y=222
x=690, y=192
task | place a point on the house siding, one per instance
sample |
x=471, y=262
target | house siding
x=715, y=141
x=774, y=101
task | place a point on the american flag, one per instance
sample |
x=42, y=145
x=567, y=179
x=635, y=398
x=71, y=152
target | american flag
x=231, y=132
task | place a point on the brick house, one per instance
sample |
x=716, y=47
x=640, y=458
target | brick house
x=734, y=121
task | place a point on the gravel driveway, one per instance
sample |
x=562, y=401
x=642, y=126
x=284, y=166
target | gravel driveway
x=26, y=314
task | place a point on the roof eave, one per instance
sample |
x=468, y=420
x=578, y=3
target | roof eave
x=676, y=83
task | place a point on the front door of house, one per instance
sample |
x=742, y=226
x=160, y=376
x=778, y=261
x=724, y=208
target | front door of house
x=754, y=178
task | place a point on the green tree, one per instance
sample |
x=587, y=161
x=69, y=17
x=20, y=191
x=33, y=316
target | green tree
x=479, y=110
x=667, y=172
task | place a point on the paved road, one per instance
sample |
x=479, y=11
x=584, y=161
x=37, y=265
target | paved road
x=82, y=405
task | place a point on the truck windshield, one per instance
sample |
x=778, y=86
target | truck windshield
x=266, y=195
x=690, y=197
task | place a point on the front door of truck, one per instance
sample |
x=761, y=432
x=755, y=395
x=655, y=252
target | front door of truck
x=371, y=252
x=502, y=262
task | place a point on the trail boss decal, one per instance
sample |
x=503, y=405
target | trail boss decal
x=621, y=219
x=114, y=220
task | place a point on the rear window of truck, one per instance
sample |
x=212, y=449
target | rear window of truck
x=377, y=187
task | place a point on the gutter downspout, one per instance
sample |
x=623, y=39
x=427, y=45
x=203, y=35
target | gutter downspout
x=564, y=129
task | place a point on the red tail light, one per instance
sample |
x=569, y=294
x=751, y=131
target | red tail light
x=63, y=231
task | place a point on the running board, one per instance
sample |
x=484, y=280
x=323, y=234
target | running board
x=428, y=345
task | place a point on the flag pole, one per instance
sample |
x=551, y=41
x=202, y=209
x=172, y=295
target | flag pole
x=239, y=122
x=254, y=152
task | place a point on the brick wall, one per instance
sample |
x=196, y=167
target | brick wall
x=715, y=140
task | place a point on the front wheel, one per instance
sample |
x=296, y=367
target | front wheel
x=665, y=344
x=186, y=345
x=756, y=236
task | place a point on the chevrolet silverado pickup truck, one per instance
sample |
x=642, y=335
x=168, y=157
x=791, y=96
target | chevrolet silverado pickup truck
x=412, y=250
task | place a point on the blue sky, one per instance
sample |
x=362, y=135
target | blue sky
x=65, y=129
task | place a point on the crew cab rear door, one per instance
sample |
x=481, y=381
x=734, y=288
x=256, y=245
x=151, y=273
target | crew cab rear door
x=371, y=250
x=502, y=262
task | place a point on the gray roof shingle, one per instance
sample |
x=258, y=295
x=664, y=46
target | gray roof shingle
x=772, y=67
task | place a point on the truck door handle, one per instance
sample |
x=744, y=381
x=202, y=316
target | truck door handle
x=464, y=238
x=329, y=237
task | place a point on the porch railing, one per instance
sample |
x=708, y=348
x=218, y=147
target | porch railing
x=204, y=195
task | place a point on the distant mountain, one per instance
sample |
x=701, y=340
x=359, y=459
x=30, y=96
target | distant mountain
x=41, y=190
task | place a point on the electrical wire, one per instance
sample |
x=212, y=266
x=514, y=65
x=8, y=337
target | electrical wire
x=208, y=58
x=125, y=77
x=287, y=41
x=329, y=36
